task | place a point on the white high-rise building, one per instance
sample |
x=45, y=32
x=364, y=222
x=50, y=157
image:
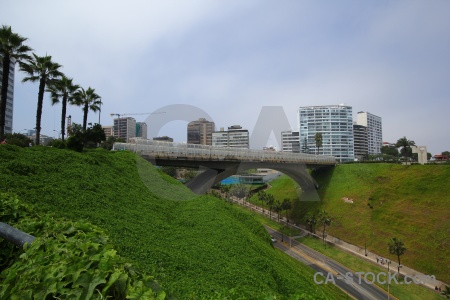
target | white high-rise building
x=9, y=98
x=335, y=123
x=374, y=131
x=290, y=141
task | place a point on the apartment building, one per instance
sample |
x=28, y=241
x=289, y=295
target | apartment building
x=374, y=131
x=200, y=132
x=335, y=123
x=235, y=137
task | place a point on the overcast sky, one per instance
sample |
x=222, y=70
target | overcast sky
x=231, y=58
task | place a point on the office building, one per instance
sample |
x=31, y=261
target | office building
x=141, y=130
x=235, y=137
x=290, y=141
x=9, y=98
x=124, y=128
x=200, y=132
x=360, y=142
x=374, y=131
x=335, y=123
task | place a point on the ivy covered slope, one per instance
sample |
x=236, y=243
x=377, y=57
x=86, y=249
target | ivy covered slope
x=195, y=247
x=67, y=260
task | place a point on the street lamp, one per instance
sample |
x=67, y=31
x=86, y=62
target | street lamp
x=100, y=110
x=59, y=133
x=388, y=263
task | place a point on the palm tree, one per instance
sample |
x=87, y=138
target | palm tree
x=311, y=220
x=65, y=90
x=89, y=100
x=12, y=50
x=406, y=146
x=262, y=196
x=319, y=141
x=44, y=70
x=270, y=200
x=277, y=208
x=286, y=205
x=397, y=247
x=324, y=220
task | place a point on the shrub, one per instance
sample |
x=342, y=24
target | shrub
x=67, y=260
x=75, y=142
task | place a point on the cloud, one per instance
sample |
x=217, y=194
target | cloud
x=231, y=58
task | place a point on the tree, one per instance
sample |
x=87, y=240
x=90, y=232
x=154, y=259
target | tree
x=225, y=189
x=311, y=220
x=270, y=200
x=305, y=148
x=75, y=129
x=12, y=50
x=44, y=70
x=89, y=100
x=277, y=208
x=262, y=196
x=65, y=90
x=396, y=247
x=18, y=139
x=108, y=143
x=189, y=174
x=285, y=206
x=446, y=291
x=405, y=144
x=319, y=141
x=324, y=220
x=93, y=136
x=171, y=171
x=75, y=140
x=239, y=191
x=389, y=150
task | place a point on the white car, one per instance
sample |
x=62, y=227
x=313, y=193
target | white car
x=273, y=239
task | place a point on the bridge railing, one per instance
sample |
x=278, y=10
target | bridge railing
x=160, y=149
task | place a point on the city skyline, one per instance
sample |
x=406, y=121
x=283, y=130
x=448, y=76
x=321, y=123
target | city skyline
x=231, y=59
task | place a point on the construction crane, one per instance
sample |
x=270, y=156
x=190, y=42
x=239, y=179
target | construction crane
x=131, y=114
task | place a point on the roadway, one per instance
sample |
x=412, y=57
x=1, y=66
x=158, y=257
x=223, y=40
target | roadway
x=325, y=265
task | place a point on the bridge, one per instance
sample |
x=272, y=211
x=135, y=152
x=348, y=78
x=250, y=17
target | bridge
x=219, y=163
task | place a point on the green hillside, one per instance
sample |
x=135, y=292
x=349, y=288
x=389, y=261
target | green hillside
x=389, y=200
x=196, y=247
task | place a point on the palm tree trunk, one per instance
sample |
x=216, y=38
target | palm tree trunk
x=323, y=236
x=85, y=114
x=63, y=117
x=39, y=109
x=4, y=95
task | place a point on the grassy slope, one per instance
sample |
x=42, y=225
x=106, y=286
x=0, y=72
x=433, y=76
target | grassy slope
x=409, y=202
x=197, y=247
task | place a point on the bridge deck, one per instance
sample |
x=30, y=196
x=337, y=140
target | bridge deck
x=183, y=151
